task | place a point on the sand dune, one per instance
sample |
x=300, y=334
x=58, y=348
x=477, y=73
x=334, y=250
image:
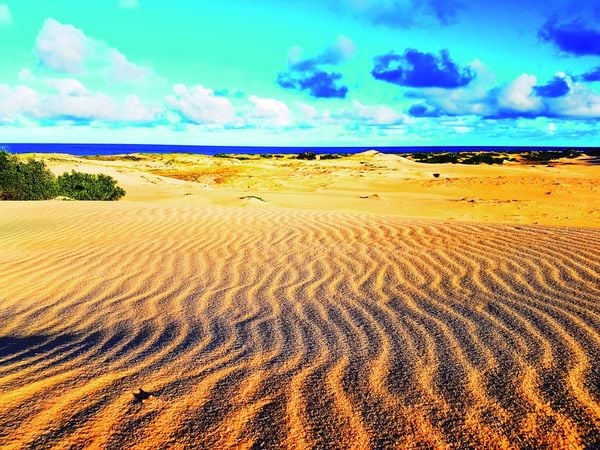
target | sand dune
x=564, y=193
x=260, y=326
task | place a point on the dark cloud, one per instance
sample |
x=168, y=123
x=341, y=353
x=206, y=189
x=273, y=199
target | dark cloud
x=512, y=114
x=317, y=83
x=592, y=75
x=417, y=69
x=573, y=37
x=557, y=87
x=423, y=110
x=309, y=75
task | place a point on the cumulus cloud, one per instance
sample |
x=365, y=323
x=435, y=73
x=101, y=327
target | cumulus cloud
x=61, y=47
x=124, y=70
x=574, y=37
x=580, y=103
x=309, y=75
x=129, y=4
x=67, y=49
x=68, y=100
x=523, y=97
x=5, y=15
x=418, y=69
x=519, y=97
x=200, y=105
x=15, y=101
x=270, y=111
x=72, y=101
x=67, y=86
x=309, y=112
x=370, y=114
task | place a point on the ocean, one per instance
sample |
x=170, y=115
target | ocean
x=117, y=149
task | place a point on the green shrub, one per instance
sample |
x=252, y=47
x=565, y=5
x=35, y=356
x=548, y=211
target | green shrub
x=436, y=158
x=31, y=180
x=544, y=156
x=25, y=180
x=307, y=155
x=483, y=158
x=85, y=186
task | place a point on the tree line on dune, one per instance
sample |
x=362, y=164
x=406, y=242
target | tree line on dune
x=31, y=180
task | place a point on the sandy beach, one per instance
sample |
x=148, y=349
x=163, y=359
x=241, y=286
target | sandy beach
x=362, y=302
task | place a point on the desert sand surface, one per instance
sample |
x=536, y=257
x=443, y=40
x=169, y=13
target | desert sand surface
x=565, y=192
x=353, y=303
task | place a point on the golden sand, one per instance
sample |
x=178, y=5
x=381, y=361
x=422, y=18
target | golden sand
x=304, y=321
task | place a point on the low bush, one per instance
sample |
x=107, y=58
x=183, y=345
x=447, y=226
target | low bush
x=330, y=156
x=85, y=186
x=436, y=158
x=307, y=155
x=484, y=158
x=31, y=180
x=544, y=156
x=25, y=180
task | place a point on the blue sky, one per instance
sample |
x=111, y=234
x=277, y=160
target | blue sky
x=284, y=72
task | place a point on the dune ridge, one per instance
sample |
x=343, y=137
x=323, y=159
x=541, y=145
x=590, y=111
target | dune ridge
x=293, y=329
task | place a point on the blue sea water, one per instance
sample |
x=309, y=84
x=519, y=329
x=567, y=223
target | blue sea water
x=118, y=149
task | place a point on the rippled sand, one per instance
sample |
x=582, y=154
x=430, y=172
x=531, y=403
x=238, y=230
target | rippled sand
x=263, y=327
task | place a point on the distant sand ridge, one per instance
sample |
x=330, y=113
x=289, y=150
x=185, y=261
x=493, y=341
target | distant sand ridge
x=265, y=326
x=564, y=192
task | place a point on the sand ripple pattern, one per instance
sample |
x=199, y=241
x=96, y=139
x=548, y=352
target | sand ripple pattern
x=264, y=328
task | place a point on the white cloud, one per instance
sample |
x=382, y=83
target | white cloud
x=67, y=86
x=519, y=95
x=124, y=70
x=61, y=47
x=129, y=4
x=518, y=98
x=200, y=105
x=15, y=101
x=472, y=99
x=270, y=111
x=70, y=101
x=25, y=75
x=581, y=102
x=371, y=114
x=5, y=15
x=67, y=49
x=309, y=116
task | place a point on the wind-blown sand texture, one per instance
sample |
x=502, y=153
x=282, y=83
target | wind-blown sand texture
x=259, y=326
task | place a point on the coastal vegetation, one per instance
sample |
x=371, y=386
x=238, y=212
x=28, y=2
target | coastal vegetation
x=85, y=186
x=461, y=158
x=307, y=155
x=31, y=180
